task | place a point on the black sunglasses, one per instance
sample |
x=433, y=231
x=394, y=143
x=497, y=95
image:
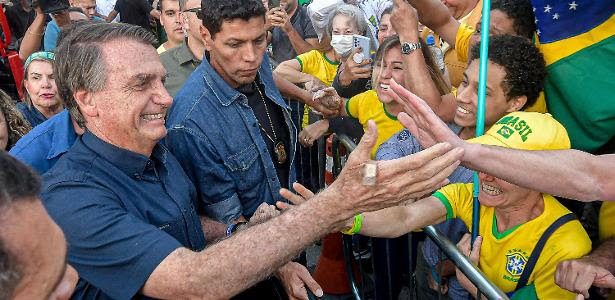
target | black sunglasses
x=196, y=10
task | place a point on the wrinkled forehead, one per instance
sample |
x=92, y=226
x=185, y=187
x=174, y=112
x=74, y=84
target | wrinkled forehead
x=143, y=59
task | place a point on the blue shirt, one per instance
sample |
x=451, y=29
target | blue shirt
x=32, y=115
x=50, y=39
x=122, y=214
x=216, y=138
x=45, y=144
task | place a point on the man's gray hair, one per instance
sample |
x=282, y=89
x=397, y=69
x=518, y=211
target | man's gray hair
x=182, y=4
x=79, y=64
x=353, y=13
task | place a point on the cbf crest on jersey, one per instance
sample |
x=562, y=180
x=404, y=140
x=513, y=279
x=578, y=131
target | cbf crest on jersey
x=515, y=263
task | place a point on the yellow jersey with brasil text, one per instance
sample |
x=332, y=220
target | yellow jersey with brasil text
x=365, y=107
x=503, y=255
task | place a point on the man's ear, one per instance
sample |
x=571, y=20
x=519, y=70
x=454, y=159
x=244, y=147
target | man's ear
x=86, y=103
x=516, y=104
x=207, y=38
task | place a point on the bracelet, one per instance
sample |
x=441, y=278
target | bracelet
x=356, y=227
x=435, y=276
x=35, y=34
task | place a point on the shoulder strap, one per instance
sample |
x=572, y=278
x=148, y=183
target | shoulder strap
x=531, y=263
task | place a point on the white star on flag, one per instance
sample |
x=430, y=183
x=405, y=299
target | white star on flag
x=555, y=16
x=573, y=5
x=538, y=31
x=548, y=9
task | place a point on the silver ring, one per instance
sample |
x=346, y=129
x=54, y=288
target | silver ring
x=370, y=172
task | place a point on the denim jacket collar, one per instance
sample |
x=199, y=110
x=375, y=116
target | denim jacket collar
x=226, y=94
x=131, y=163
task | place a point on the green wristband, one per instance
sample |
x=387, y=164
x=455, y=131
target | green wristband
x=356, y=227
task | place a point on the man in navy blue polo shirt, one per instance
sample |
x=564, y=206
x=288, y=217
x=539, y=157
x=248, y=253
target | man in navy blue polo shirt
x=128, y=210
x=43, y=146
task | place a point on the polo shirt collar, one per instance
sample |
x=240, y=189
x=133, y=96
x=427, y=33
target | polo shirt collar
x=131, y=163
x=64, y=135
x=184, y=55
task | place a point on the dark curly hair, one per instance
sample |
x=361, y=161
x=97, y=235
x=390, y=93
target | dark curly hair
x=215, y=12
x=16, y=123
x=522, y=14
x=524, y=65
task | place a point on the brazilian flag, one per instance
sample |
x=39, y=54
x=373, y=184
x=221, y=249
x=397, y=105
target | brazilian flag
x=577, y=39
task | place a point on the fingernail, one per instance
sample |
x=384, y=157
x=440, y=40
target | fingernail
x=319, y=293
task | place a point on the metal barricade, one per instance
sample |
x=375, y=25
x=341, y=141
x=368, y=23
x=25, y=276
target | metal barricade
x=475, y=275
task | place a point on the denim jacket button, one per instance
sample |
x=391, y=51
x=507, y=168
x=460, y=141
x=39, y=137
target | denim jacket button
x=137, y=176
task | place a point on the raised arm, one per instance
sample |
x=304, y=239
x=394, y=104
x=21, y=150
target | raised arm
x=398, y=220
x=224, y=269
x=291, y=71
x=31, y=41
x=418, y=79
x=433, y=14
x=568, y=173
x=111, y=16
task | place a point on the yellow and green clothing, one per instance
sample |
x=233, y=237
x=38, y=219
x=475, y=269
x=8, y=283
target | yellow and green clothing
x=317, y=64
x=366, y=106
x=503, y=255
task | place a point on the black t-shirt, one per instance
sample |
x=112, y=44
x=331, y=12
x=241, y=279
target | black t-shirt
x=19, y=20
x=260, y=107
x=282, y=48
x=134, y=12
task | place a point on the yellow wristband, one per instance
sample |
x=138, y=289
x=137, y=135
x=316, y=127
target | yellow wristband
x=356, y=227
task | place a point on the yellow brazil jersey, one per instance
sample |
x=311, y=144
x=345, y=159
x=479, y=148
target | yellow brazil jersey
x=366, y=106
x=606, y=220
x=317, y=64
x=462, y=46
x=503, y=255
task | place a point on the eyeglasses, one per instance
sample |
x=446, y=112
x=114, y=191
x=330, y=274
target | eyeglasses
x=196, y=10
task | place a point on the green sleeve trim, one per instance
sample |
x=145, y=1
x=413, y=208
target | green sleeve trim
x=348, y=108
x=300, y=63
x=446, y=203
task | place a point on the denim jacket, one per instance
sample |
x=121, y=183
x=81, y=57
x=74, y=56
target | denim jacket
x=215, y=136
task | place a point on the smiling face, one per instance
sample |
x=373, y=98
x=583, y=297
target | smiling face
x=42, y=260
x=391, y=66
x=129, y=111
x=41, y=86
x=171, y=20
x=495, y=192
x=241, y=42
x=496, y=103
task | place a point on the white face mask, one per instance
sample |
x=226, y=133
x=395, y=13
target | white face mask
x=342, y=44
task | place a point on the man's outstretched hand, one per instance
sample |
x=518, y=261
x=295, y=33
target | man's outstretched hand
x=421, y=121
x=396, y=180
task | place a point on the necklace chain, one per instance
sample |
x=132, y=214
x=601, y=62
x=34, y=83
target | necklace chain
x=275, y=136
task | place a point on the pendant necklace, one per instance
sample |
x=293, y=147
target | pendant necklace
x=278, y=146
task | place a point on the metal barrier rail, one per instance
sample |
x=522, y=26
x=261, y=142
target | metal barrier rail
x=476, y=276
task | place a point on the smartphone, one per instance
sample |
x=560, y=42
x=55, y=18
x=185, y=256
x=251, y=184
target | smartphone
x=359, y=41
x=53, y=6
x=273, y=3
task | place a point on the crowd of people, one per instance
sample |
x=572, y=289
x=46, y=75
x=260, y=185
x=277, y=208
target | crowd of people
x=167, y=149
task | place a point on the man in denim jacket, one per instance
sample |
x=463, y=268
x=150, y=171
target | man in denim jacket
x=229, y=127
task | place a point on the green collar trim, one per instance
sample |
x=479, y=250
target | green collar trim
x=392, y=117
x=500, y=235
x=335, y=63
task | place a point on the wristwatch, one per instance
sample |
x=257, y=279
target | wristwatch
x=407, y=48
